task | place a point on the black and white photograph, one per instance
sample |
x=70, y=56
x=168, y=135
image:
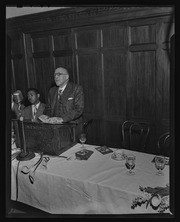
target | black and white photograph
x=90, y=104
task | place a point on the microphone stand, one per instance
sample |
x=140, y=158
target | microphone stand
x=24, y=155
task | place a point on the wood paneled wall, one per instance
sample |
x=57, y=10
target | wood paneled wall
x=122, y=64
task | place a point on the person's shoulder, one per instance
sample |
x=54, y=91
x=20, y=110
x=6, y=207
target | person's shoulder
x=42, y=104
x=53, y=88
x=75, y=85
x=27, y=107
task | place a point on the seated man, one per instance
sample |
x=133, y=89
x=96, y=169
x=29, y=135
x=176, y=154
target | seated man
x=65, y=100
x=36, y=108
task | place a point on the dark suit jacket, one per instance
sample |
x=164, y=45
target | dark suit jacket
x=72, y=101
x=27, y=112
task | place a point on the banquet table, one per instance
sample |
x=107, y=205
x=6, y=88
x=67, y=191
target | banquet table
x=98, y=185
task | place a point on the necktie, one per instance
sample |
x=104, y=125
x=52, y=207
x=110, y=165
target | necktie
x=35, y=110
x=59, y=94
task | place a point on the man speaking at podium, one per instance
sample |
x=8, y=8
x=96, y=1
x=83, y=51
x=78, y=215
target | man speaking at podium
x=65, y=100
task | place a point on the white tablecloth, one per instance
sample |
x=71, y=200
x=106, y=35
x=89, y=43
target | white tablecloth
x=97, y=185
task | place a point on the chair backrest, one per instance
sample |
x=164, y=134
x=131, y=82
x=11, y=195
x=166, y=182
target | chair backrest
x=126, y=133
x=135, y=135
x=86, y=125
x=164, y=144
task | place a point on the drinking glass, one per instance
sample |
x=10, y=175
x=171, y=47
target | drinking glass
x=82, y=139
x=130, y=163
x=160, y=162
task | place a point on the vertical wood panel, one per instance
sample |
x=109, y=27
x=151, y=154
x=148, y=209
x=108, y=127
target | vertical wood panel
x=62, y=50
x=40, y=43
x=141, y=85
x=62, y=40
x=95, y=133
x=44, y=77
x=87, y=39
x=41, y=47
x=114, y=36
x=29, y=60
x=163, y=78
x=113, y=136
x=19, y=70
x=16, y=44
x=115, y=84
x=114, y=48
x=18, y=63
x=143, y=34
x=88, y=62
x=90, y=79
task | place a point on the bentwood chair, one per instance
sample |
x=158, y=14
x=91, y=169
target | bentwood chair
x=134, y=135
x=86, y=125
x=164, y=144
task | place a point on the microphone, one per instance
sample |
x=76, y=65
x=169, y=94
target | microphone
x=24, y=155
x=17, y=96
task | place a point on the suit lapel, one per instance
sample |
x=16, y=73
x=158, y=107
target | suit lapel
x=54, y=97
x=31, y=112
x=66, y=92
x=40, y=109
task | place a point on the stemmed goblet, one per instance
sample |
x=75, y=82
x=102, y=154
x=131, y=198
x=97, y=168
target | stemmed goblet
x=130, y=163
x=160, y=162
x=82, y=139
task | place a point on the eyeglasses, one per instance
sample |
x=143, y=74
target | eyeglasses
x=60, y=74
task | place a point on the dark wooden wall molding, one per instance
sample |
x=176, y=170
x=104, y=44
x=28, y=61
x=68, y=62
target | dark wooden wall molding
x=83, y=16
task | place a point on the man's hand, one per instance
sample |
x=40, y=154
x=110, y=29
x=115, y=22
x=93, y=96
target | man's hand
x=55, y=120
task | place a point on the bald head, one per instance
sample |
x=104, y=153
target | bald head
x=61, y=76
x=61, y=70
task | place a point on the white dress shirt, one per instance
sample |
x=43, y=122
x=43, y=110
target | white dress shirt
x=62, y=89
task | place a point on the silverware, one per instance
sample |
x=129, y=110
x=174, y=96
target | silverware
x=66, y=157
x=63, y=156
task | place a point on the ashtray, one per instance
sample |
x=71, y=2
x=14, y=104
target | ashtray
x=118, y=156
x=83, y=154
x=104, y=149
